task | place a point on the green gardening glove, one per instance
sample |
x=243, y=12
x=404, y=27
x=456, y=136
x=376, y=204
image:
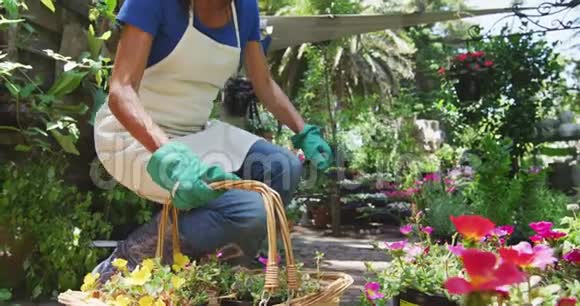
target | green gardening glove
x=177, y=169
x=315, y=148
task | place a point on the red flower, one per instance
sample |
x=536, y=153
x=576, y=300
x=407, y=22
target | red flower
x=567, y=301
x=461, y=57
x=472, y=228
x=484, y=276
x=488, y=63
x=442, y=70
x=478, y=53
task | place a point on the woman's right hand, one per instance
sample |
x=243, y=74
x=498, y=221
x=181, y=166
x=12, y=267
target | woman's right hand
x=177, y=169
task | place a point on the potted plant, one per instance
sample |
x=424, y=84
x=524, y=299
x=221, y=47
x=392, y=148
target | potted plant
x=469, y=71
x=416, y=273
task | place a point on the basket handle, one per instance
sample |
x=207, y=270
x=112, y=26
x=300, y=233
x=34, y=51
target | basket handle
x=276, y=215
x=161, y=230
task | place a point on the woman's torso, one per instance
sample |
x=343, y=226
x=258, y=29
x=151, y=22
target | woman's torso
x=167, y=20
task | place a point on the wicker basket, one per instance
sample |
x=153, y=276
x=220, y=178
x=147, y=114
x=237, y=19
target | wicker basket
x=334, y=283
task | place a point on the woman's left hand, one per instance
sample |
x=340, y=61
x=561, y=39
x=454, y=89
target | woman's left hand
x=314, y=146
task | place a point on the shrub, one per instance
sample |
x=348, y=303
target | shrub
x=36, y=203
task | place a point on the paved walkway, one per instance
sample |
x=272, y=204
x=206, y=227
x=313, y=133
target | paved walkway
x=345, y=254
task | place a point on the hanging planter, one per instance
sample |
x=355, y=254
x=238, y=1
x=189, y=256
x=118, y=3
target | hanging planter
x=469, y=71
x=468, y=89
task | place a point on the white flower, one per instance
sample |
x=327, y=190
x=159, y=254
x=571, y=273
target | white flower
x=572, y=207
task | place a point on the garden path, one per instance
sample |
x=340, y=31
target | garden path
x=345, y=254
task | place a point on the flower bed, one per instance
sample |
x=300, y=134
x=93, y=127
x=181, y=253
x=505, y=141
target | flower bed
x=479, y=268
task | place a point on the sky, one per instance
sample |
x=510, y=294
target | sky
x=566, y=48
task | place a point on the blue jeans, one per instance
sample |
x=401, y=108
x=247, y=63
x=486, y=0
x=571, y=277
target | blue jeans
x=236, y=219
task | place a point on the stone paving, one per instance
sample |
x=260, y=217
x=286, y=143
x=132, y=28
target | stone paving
x=344, y=254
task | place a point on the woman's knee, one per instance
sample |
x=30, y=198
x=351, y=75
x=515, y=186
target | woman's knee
x=247, y=212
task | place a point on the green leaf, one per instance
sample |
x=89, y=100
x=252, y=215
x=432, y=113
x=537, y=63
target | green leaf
x=49, y=4
x=66, y=83
x=99, y=98
x=106, y=35
x=5, y=294
x=13, y=88
x=111, y=6
x=36, y=291
x=67, y=142
x=21, y=148
x=75, y=109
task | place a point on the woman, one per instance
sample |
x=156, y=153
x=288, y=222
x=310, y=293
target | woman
x=154, y=137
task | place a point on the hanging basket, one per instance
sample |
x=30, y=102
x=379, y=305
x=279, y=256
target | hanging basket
x=333, y=284
x=468, y=88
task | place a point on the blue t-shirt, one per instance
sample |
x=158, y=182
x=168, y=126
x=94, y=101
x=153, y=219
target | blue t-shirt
x=167, y=20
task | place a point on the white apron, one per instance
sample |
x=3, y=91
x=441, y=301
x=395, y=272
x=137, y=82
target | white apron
x=178, y=93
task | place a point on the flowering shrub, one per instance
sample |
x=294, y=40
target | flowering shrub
x=481, y=268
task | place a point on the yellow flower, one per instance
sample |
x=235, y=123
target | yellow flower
x=89, y=281
x=159, y=303
x=120, y=264
x=139, y=276
x=146, y=301
x=149, y=264
x=179, y=261
x=122, y=300
x=177, y=282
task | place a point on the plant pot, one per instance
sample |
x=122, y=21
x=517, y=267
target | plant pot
x=468, y=89
x=412, y=297
x=321, y=216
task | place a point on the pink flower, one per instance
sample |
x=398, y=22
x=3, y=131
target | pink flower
x=407, y=229
x=478, y=53
x=524, y=256
x=567, y=301
x=442, y=70
x=456, y=250
x=433, y=177
x=504, y=230
x=427, y=230
x=537, y=239
x=372, y=291
x=488, y=64
x=544, y=230
x=542, y=227
x=572, y=256
x=396, y=246
x=412, y=251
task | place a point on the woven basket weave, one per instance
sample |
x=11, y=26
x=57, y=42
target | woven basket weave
x=334, y=283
